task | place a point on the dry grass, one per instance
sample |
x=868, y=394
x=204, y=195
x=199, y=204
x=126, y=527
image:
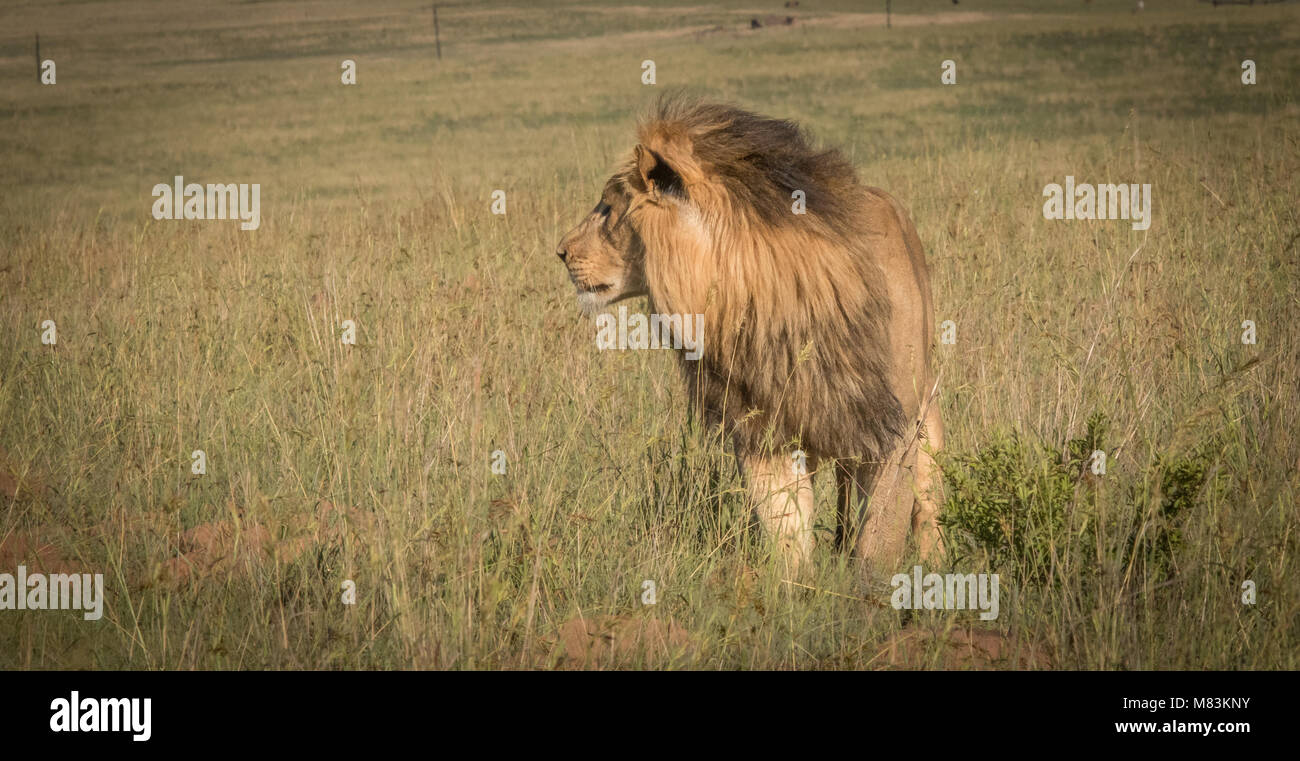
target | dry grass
x=371, y=462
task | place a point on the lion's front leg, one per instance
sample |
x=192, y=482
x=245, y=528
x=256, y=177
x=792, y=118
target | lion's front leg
x=780, y=490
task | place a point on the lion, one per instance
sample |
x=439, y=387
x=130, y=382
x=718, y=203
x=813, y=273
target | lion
x=817, y=313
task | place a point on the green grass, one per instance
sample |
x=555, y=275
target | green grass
x=176, y=336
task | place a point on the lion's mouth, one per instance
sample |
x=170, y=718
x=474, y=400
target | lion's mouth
x=584, y=288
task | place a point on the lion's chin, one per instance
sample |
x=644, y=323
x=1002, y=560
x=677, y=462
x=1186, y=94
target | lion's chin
x=595, y=298
x=591, y=302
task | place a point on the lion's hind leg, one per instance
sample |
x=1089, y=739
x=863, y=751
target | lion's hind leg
x=886, y=508
x=925, y=514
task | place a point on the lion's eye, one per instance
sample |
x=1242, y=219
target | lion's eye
x=602, y=209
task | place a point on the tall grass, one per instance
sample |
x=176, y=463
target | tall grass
x=371, y=463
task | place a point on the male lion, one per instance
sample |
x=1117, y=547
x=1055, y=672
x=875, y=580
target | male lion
x=817, y=324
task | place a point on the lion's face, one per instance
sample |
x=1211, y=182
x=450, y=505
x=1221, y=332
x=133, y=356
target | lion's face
x=604, y=255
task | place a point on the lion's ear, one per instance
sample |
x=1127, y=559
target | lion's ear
x=656, y=174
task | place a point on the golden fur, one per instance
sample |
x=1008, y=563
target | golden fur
x=817, y=326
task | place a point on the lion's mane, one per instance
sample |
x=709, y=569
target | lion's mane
x=796, y=311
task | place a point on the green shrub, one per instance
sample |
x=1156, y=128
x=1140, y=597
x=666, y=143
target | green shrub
x=1011, y=497
x=1028, y=504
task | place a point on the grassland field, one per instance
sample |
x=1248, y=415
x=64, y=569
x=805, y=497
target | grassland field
x=371, y=463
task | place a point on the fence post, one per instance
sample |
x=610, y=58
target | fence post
x=437, y=41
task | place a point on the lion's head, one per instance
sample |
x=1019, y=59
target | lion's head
x=657, y=197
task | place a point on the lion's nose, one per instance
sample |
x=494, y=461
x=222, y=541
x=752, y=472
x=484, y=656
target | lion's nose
x=563, y=253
